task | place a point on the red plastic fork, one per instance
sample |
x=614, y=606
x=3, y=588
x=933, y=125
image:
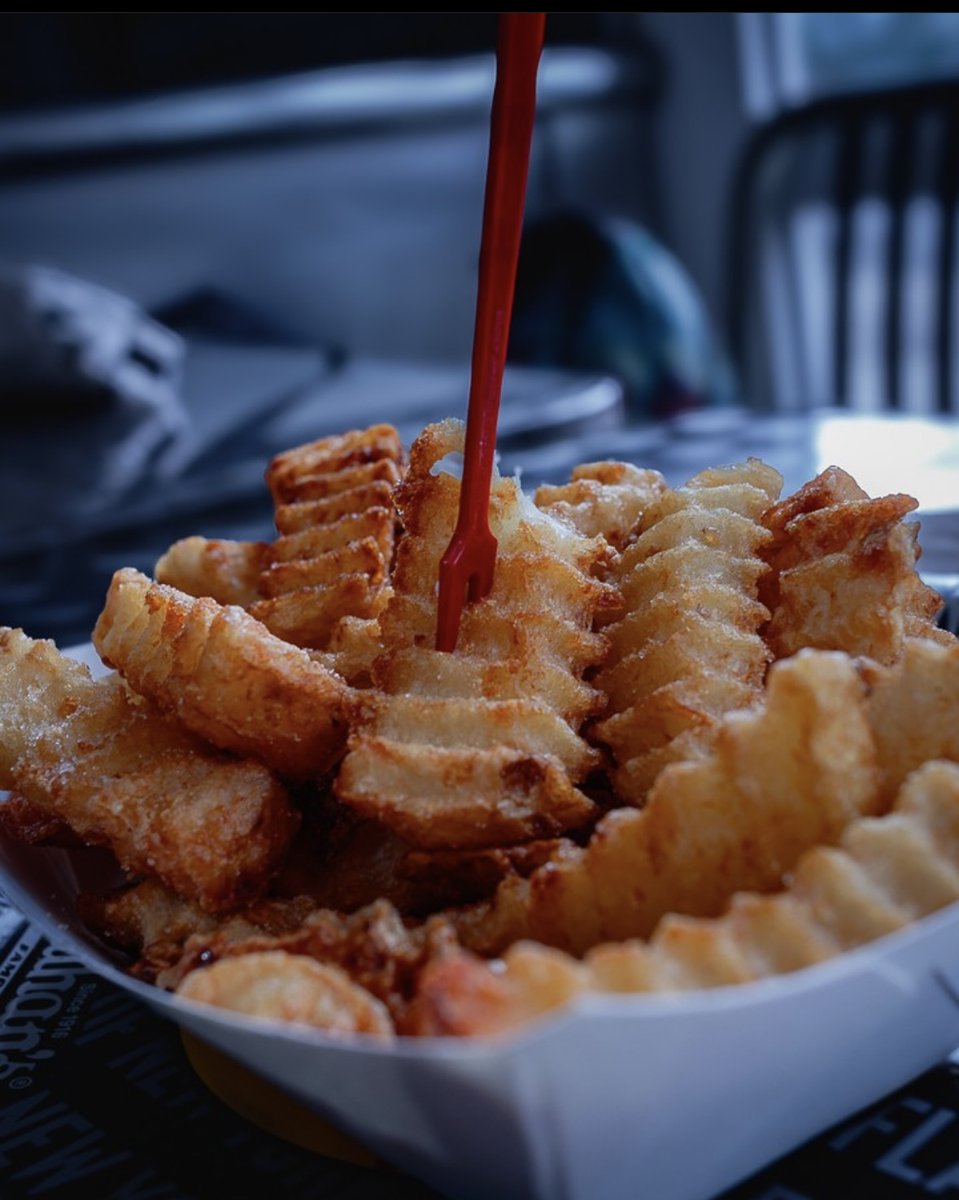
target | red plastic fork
x=466, y=568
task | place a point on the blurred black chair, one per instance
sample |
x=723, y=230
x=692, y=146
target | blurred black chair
x=596, y=292
x=842, y=265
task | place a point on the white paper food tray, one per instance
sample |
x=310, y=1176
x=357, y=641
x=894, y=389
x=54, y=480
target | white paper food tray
x=666, y=1097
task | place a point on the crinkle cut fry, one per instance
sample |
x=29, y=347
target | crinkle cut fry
x=525, y=583
x=519, y=638
x=886, y=872
x=327, y=456
x=312, y=540
x=225, y=571
x=225, y=676
x=343, y=862
x=149, y=920
x=778, y=779
x=543, y=566
x=912, y=709
x=374, y=946
x=525, y=725
x=310, y=617
x=605, y=499
x=460, y=797
x=336, y=518
x=119, y=774
x=287, y=987
x=333, y=507
x=440, y=771
x=844, y=572
x=688, y=583
x=421, y=670
x=330, y=561
x=353, y=647
x=360, y=557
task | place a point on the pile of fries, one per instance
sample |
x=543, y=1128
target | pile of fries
x=693, y=737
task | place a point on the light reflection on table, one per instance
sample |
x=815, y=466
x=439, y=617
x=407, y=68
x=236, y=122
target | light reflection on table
x=885, y=454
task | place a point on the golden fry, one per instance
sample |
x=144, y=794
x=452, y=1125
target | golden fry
x=119, y=774
x=286, y=987
x=912, y=709
x=228, y=572
x=604, y=499
x=309, y=617
x=885, y=872
x=689, y=585
x=844, y=572
x=329, y=456
x=483, y=771
x=155, y=923
x=778, y=779
x=225, y=676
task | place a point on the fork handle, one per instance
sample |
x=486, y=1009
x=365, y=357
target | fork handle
x=518, y=48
